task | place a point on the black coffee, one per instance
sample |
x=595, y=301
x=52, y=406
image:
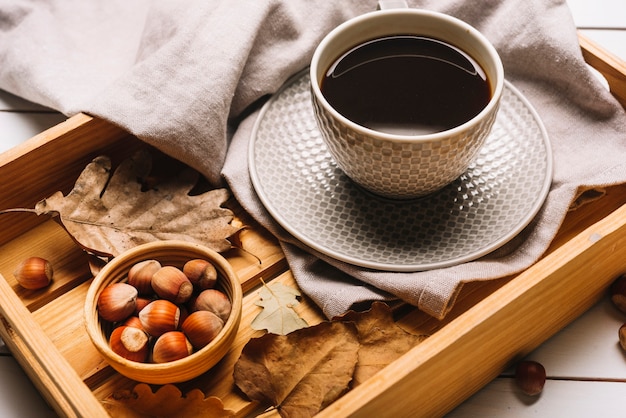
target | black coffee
x=406, y=85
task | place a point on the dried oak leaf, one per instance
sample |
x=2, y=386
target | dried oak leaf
x=107, y=215
x=278, y=315
x=166, y=402
x=302, y=372
x=381, y=340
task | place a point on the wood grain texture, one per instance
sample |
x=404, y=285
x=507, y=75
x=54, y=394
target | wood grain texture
x=63, y=386
x=474, y=348
x=493, y=324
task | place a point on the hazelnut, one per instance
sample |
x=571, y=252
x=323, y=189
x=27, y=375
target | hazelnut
x=141, y=303
x=133, y=321
x=201, y=273
x=140, y=275
x=622, y=336
x=171, y=346
x=117, y=301
x=34, y=273
x=618, y=293
x=171, y=283
x=201, y=327
x=130, y=343
x=530, y=376
x=159, y=317
x=184, y=313
x=215, y=301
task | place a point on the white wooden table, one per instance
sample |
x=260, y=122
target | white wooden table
x=585, y=365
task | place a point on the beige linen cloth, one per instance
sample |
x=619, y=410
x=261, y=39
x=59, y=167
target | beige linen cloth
x=187, y=77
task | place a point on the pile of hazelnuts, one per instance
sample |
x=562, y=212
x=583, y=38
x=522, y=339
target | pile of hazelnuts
x=163, y=313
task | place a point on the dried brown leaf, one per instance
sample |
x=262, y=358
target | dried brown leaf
x=278, y=315
x=302, y=372
x=107, y=215
x=381, y=340
x=166, y=402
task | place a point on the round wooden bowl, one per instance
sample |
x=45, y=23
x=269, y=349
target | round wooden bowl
x=174, y=253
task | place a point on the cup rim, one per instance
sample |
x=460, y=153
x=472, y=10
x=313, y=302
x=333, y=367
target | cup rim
x=358, y=20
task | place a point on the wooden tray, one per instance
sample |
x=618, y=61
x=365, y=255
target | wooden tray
x=492, y=325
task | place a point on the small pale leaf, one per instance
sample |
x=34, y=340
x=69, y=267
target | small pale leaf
x=278, y=315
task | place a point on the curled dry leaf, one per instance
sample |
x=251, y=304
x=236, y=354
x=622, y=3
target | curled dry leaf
x=95, y=264
x=107, y=215
x=302, y=372
x=278, y=315
x=381, y=340
x=166, y=402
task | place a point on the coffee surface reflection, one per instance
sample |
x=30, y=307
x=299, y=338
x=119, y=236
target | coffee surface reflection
x=406, y=85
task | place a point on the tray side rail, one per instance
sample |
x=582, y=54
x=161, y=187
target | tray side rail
x=54, y=157
x=608, y=64
x=567, y=273
x=48, y=369
x=394, y=389
x=496, y=332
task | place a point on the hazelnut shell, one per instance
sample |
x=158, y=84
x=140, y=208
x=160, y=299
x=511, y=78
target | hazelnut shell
x=530, y=376
x=171, y=346
x=117, y=302
x=130, y=343
x=140, y=275
x=214, y=301
x=201, y=273
x=159, y=316
x=201, y=327
x=171, y=283
x=34, y=273
x=618, y=293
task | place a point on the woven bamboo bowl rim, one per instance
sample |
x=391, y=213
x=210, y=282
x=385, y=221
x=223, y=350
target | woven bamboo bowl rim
x=174, y=253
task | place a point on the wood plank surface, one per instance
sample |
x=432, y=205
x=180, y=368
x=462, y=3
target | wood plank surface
x=476, y=317
x=50, y=162
x=62, y=385
x=474, y=348
x=493, y=324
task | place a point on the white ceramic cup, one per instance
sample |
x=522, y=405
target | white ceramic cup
x=404, y=166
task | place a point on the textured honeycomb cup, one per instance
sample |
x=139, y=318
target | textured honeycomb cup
x=403, y=166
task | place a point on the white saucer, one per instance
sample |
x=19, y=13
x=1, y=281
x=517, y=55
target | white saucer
x=303, y=189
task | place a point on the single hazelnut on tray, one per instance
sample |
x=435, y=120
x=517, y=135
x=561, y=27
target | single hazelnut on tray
x=530, y=376
x=34, y=273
